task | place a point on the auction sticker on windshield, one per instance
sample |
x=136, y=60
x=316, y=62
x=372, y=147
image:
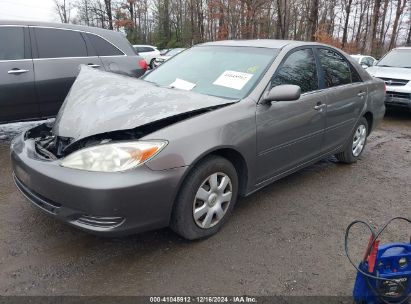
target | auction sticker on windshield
x=233, y=79
x=182, y=85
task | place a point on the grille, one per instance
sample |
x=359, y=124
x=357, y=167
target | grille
x=395, y=82
x=104, y=222
x=399, y=95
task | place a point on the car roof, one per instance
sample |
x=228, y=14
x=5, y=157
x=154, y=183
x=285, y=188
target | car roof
x=263, y=43
x=117, y=38
x=56, y=25
x=144, y=45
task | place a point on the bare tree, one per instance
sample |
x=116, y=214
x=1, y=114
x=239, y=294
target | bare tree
x=63, y=8
x=347, y=18
x=400, y=10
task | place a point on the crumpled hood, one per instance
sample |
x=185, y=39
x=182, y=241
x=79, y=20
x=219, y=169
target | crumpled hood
x=389, y=72
x=101, y=102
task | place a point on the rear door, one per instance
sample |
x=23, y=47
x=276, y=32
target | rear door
x=346, y=96
x=58, y=54
x=113, y=58
x=290, y=133
x=17, y=94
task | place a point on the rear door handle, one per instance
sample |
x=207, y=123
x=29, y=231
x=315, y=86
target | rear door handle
x=17, y=71
x=320, y=106
x=91, y=65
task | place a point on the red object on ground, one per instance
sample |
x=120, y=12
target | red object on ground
x=373, y=257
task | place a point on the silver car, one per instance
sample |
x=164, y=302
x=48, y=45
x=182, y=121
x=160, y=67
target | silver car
x=177, y=148
x=395, y=69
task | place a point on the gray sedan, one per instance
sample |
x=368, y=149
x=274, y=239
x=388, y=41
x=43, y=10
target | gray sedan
x=177, y=148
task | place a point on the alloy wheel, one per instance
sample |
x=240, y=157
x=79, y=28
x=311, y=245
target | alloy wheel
x=360, y=136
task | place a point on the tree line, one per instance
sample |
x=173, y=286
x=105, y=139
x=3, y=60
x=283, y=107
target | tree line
x=357, y=26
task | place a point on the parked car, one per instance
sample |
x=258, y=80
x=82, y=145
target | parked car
x=395, y=69
x=364, y=60
x=39, y=63
x=164, y=51
x=179, y=146
x=148, y=52
x=167, y=55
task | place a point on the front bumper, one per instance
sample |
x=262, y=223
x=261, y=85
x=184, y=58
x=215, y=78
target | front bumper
x=398, y=99
x=102, y=203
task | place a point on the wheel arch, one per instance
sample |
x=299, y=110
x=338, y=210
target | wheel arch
x=370, y=120
x=233, y=156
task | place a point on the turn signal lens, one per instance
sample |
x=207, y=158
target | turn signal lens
x=113, y=157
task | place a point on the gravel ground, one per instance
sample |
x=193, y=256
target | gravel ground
x=287, y=239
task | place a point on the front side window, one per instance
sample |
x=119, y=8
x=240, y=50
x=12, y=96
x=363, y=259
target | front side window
x=298, y=69
x=11, y=43
x=102, y=47
x=336, y=69
x=56, y=43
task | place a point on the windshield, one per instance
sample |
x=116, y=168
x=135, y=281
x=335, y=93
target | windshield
x=228, y=72
x=397, y=59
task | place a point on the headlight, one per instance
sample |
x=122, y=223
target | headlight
x=113, y=157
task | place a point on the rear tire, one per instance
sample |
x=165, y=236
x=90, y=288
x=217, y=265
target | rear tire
x=356, y=143
x=152, y=63
x=206, y=199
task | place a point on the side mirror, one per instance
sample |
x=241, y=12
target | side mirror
x=284, y=92
x=364, y=66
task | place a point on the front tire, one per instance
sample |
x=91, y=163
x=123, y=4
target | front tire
x=206, y=199
x=356, y=143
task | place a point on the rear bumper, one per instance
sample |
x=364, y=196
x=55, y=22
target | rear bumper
x=110, y=204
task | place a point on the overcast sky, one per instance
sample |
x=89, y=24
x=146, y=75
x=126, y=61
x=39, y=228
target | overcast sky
x=36, y=10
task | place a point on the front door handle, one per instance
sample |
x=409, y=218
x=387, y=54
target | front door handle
x=91, y=65
x=320, y=106
x=17, y=71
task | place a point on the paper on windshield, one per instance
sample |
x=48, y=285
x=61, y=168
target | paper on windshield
x=182, y=84
x=232, y=79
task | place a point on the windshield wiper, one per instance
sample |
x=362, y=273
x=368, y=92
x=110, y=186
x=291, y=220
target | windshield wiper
x=385, y=66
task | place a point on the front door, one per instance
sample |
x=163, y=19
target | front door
x=17, y=94
x=290, y=133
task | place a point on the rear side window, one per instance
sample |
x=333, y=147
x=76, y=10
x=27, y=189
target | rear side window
x=336, y=69
x=103, y=47
x=355, y=77
x=55, y=43
x=298, y=69
x=144, y=49
x=11, y=43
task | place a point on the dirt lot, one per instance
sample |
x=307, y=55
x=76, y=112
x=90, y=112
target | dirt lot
x=284, y=240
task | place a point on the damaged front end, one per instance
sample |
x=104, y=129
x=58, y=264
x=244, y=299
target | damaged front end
x=52, y=147
x=103, y=107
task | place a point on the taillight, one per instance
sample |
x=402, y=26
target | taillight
x=143, y=64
